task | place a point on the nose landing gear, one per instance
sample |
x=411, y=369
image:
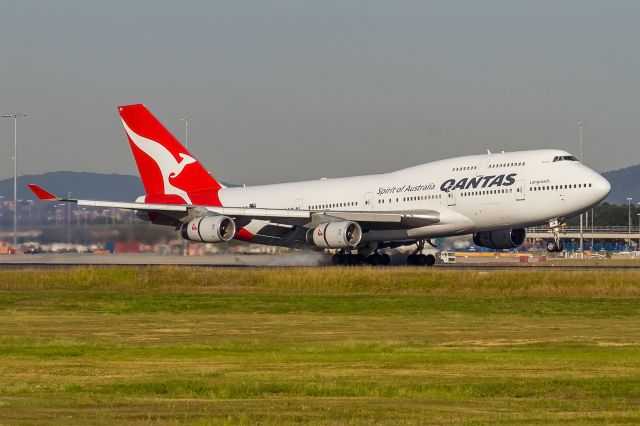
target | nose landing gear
x=555, y=245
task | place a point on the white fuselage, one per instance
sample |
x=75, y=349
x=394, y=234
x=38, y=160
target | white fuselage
x=472, y=193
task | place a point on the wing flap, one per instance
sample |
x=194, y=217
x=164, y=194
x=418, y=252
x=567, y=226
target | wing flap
x=131, y=206
x=402, y=219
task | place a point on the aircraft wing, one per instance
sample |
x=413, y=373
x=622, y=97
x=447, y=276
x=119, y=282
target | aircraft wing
x=307, y=218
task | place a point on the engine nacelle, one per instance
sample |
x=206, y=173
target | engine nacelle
x=503, y=239
x=344, y=234
x=209, y=229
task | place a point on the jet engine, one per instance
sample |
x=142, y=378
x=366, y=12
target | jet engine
x=503, y=239
x=343, y=234
x=209, y=229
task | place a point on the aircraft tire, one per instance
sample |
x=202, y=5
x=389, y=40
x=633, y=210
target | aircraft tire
x=339, y=259
x=430, y=260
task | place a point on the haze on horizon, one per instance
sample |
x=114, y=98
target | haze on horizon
x=292, y=90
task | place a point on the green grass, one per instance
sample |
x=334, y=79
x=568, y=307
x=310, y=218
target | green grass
x=319, y=346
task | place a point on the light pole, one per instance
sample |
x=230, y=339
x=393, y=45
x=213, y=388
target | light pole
x=30, y=204
x=186, y=120
x=15, y=117
x=629, y=205
x=638, y=248
x=580, y=125
x=69, y=220
x=592, y=218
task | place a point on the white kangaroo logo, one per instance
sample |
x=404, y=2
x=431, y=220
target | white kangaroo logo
x=169, y=167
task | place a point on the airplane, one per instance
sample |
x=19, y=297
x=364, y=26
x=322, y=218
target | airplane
x=492, y=196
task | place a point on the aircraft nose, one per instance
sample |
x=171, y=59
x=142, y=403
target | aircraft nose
x=601, y=186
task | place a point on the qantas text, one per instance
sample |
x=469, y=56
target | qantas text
x=479, y=182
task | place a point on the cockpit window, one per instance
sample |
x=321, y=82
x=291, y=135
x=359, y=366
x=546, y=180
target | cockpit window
x=564, y=158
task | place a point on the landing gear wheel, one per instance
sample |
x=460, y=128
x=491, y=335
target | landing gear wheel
x=421, y=259
x=374, y=259
x=430, y=260
x=341, y=258
x=377, y=259
x=555, y=247
x=417, y=258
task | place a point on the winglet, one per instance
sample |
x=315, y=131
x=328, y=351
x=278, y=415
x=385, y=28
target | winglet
x=42, y=193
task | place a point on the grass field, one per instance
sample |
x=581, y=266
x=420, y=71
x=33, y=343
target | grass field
x=319, y=346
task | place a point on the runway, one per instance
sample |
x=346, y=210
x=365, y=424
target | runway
x=302, y=259
x=143, y=259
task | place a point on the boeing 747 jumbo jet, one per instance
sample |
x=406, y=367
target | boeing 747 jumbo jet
x=492, y=196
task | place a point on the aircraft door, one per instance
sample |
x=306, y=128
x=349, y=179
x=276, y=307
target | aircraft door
x=297, y=204
x=368, y=201
x=451, y=198
x=482, y=167
x=520, y=189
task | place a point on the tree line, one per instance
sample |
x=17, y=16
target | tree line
x=607, y=214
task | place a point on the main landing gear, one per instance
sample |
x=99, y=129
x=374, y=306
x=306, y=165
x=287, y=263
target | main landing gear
x=352, y=257
x=555, y=245
x=417, y=258
x=344, y=257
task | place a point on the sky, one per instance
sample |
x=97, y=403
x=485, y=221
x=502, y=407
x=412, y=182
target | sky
x=293, y=90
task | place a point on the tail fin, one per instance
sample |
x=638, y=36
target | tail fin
x=169, y=173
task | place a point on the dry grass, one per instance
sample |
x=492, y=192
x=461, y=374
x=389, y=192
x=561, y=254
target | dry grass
x=325, y=281
x=318, y=346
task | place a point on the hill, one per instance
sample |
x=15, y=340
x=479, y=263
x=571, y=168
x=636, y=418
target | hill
x=111, y=187
x=624, y=183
